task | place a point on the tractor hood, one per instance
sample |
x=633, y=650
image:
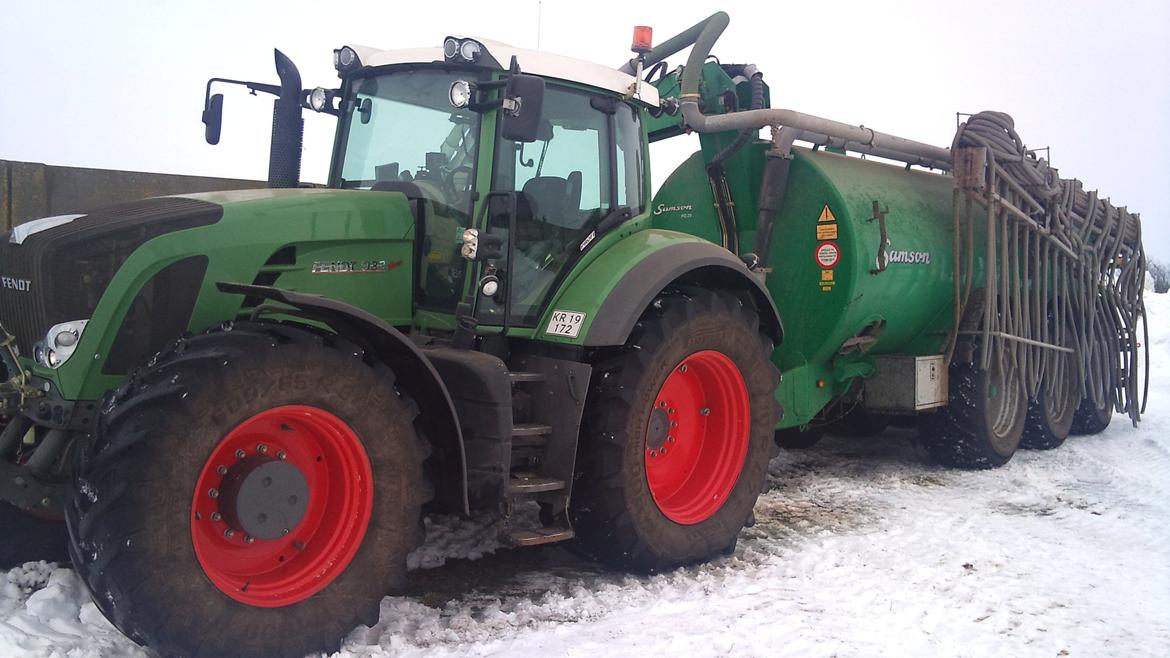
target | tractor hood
x=59, y=269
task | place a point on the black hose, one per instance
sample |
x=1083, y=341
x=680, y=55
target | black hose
x=745, y=135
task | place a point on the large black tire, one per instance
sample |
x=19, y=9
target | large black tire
x=28, y=538
x=131, y=518
x=1091, y=418
x=613, y=510
x=983, y=423
x=1051, y=414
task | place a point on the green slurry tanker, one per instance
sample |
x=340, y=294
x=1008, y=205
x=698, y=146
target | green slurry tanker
x=241, y=403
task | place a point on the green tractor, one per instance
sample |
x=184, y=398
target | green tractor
x=243, y=402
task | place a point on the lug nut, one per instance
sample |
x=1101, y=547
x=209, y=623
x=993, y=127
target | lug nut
x=240, y=454
x=249, y=539
x=222, y=470
x=262, y=449
x=670, y=411
x=229, y=533
x=705, y=411
x=215, y=516
x=683, y=368
x=674, y=423
x=214, y=493
x=670, y=439
x=662, y=404
x=282, y=455
x=662, y=450
x=653, y=453
x=284, y=531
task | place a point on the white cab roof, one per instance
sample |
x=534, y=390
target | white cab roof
x=536, y=62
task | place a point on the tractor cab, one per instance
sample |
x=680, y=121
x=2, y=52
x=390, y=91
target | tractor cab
x=529, y=154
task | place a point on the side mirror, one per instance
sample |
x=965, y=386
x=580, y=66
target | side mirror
x=213, y=118
x=523, y=105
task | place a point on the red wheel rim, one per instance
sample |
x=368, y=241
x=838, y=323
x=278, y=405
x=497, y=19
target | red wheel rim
x=697, y=437
x=283, y=570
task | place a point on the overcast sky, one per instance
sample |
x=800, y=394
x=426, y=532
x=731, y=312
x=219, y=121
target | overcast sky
x=119, y=83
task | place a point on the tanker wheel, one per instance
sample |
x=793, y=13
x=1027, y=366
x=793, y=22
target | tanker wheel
x=677, y=436
x=983, y=423
x=1050, y=415
x=1091, y=417
x=253, y=491
x=794, y=438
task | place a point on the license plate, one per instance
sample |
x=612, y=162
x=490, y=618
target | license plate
x=565, y=323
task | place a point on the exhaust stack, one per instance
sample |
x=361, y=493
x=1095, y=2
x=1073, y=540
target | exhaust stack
x=288, y=127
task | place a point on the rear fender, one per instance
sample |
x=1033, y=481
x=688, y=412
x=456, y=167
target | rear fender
x=415, y=373
x=618, y=286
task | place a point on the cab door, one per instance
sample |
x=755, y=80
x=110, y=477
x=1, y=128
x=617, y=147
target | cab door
x=549, y=197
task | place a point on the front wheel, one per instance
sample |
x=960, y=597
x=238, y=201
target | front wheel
x=253, y=492
x=677, y=435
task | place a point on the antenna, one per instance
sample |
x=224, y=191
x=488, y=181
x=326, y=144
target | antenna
x=539, y=8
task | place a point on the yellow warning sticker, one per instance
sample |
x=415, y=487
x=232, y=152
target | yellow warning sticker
x=826, y=215
x=826, y=231
x=827, y=281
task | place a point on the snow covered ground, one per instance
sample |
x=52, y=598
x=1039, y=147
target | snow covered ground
x=862, y=547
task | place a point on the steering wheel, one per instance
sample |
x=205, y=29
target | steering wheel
x=449, y=178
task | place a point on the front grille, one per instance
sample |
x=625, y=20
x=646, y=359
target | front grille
x=69, y=267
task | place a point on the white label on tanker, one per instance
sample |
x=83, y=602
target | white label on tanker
x=565, y=323
x=828, y=254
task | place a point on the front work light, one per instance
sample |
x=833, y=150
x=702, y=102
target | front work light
x=460, y=93
x=462, y=50
x=345, y=59
x=319, y=99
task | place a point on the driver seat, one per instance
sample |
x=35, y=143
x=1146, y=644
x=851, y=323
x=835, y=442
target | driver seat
x=555, y=200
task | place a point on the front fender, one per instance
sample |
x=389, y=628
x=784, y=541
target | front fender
x=415, y=372
x=619, y=285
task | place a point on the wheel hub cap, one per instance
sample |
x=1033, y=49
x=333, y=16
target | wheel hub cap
x=264, y=498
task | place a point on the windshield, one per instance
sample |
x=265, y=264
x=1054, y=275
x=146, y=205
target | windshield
x=402, y=135
x=401, y=128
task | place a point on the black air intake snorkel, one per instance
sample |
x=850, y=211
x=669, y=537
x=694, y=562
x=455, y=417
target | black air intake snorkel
x=288, y=128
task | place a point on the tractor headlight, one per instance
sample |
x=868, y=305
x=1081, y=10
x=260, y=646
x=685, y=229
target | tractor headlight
x=59, y=344
x=460, y=93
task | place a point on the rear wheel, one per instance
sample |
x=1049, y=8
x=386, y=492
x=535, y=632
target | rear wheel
x=982, y=425
x=1050, y=415
x=239, y=497
x=1091, y=416
x=677, y=436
